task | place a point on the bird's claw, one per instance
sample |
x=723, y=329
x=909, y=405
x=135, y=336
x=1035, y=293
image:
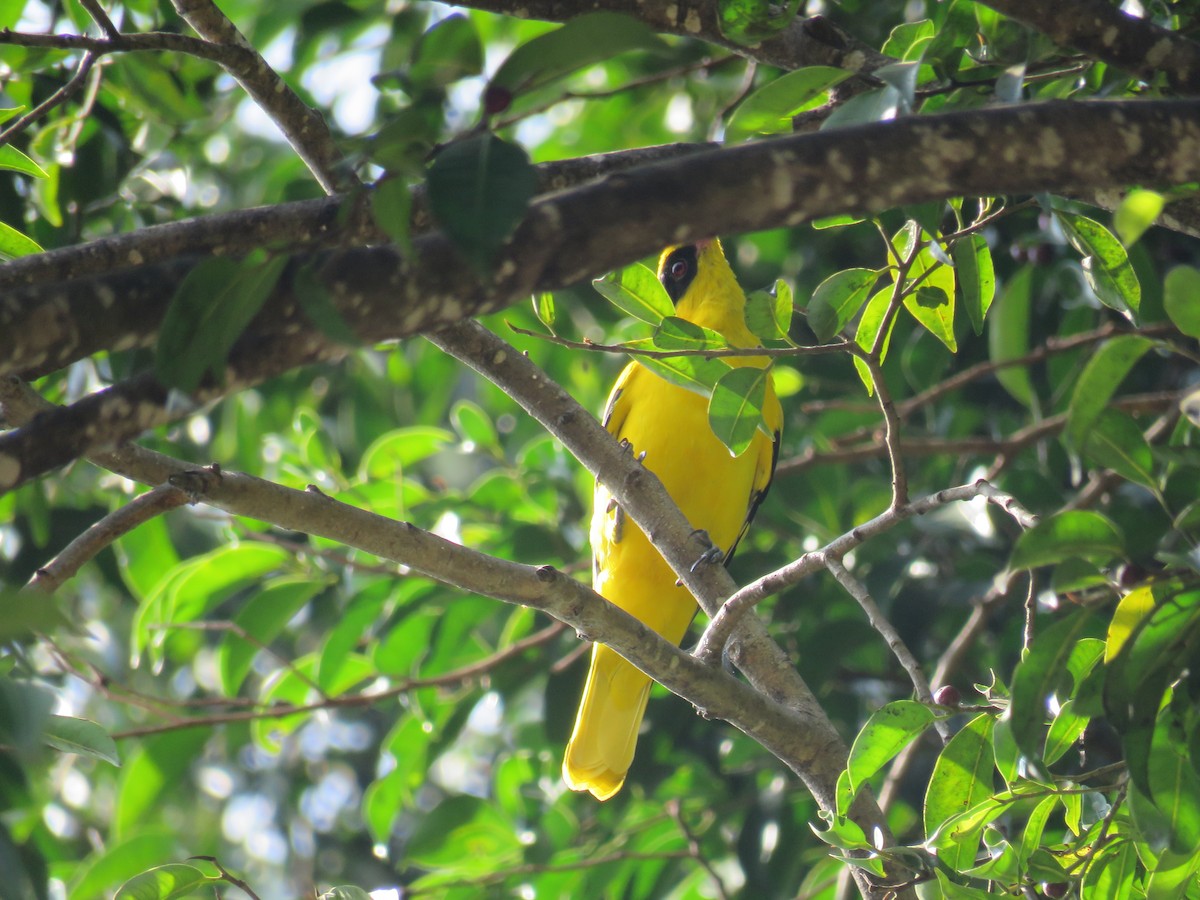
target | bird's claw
x=712, y=553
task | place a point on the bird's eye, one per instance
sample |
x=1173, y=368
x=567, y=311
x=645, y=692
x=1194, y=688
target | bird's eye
x=679, y=269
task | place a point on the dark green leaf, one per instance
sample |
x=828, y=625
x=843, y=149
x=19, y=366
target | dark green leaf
x=769, y=109
x=478, y=190
x=637, y=292
x=209, y=312
x=448, y=51
x=1099, y=380
x=1072, y=533
x=1116, y=442
x=584, y=40
x=837, y=299
x=976, y=278
x=932, y=304
x=1105, y=263
x=459, y=822
x=736, y=408
x=878, y=105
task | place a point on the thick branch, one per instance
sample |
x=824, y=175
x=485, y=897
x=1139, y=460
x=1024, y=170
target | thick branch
x=811, y=41
x=574, y=234
x=1102, y=31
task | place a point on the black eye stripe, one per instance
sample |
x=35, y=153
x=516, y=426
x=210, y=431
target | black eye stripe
x=678, y=271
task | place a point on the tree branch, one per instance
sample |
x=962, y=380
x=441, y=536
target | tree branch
x=1105, y=32
x=570, y=235
x=304, y=127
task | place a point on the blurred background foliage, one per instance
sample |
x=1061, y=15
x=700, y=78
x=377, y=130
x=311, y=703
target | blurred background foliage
x=175, y=640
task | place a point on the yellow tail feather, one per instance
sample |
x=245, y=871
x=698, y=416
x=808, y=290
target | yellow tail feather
x=606, y=729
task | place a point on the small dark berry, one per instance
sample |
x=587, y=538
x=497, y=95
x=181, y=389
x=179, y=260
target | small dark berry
x=1055, y=889
x=496, y=99
x=947, y=695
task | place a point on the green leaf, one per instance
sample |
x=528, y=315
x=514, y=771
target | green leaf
x=868, y=330
x=156, y=766
x=695, y=373
x=1068, y=726
x=1116, y=442
x=584, y=40
x=13, y=243
x=474, y=424
x=1008, y=336
x=961, y=779
x=674, y=333
x=769, y=315
x=391, y=207
x=976, y=277
x=736, y=408
x=932, y=304
x=749, y=22
x=463, y=823
x=543, y=308
x=168, y=882
x=769, y=110
x=261, y=619
x=448, y=51
x=637, y=292
x=345, y=892
x=1173, y=876
x=14, y=160
x=82, y=737
x=1066, y=534
x=1043, y=673
x=478, y=190
x=890, y=729
x=1105, y=263
x=195, y=586
x=838, y=221
x=119, y=861
x=1174, y=784
x=837, y=299
x=208, y=313
x=1138, y=211
x=1099, y=380
x=1181, y=299
x=391, y=453
x=24, y=711
x=1111, y=874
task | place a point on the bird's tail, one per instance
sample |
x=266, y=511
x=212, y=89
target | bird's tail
x=606, y=730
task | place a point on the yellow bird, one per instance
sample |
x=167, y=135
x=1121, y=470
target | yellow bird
x=716, y=491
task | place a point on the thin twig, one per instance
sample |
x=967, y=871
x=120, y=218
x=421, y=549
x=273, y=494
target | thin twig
x=880, y=623
x=712, y=642
x=694, y=849
x=463, y=675
x=60, y=96
x=141, y=509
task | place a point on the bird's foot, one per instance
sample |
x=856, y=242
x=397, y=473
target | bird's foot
x=712, y=553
